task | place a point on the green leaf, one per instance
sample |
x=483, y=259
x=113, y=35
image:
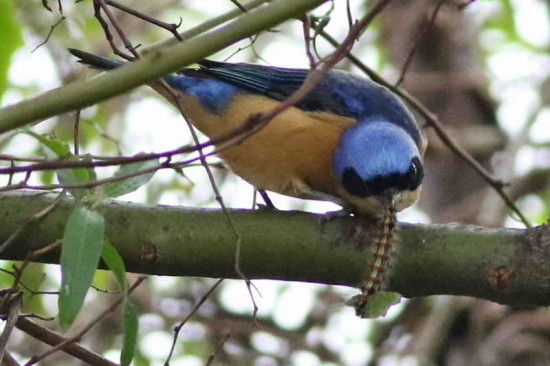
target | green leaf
x=82, y=246
x=76, y=176
x=54, y=148
x=128, y=185
x=130, y=323
x=380, y=303
x=114, y=261
x=377, y=306
x=130, y=326
x=10, y=39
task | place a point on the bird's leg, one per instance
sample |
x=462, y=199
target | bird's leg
x=268, y=203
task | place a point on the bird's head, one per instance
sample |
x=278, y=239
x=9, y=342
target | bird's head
x=378, y=164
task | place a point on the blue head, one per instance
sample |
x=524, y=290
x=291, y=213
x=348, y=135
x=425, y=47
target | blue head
x=380, y=160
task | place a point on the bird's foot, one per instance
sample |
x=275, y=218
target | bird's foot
x=345, y=212
x=268, y=203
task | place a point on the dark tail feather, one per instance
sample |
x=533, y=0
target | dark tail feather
x=94, y=61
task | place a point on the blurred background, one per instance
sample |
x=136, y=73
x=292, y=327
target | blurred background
x=483, y=67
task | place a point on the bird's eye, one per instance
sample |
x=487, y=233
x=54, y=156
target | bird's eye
x=353, y=183
x=415, y=174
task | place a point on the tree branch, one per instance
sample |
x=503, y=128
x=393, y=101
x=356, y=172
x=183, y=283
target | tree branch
x=509, y=266
x=151, y=67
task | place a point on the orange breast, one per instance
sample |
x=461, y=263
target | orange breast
x=292, y=155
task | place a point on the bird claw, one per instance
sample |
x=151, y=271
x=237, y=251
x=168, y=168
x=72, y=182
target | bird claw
x=268, y=203
x=345, y=212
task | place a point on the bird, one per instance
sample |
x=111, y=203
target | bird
x=349, y=140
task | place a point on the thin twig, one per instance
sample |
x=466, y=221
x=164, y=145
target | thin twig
x=107, y=31
x=18, y=270
x=53, y=339
x=52, y=28
x=197, y=306
x=239, y=5
x=125, y=40
x=172, y=28
x=217, y=349
x=27, y=288
x=79, y=335
x=425, y=28
x=307, y=41
x=12, y=158
x=46, y=6
x=14, y=307
x=76, y=132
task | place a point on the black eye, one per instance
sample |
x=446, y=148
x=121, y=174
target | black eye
x=415, y=174
x=353, y=183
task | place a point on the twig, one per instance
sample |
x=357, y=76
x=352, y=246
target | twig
x=90, y=184
x=77, y=132
x=172, y=28
x=425, y=28
x=11, y=176
x=250, y=127
x=46, y=6
x=348, y=14
x=79, y=335
x=18, y=158
x=178, y=327
x=307, y=41
x=217, y=349
x=18, y=270
x=53, y=339
x=206, y=26
x=125, y=40
x=27, y=288
x=14, y=307
x=52, y=28
x=107, y=31
x=239, y=5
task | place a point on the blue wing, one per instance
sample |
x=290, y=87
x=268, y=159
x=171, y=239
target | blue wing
x=216, y=83
x=339, y=92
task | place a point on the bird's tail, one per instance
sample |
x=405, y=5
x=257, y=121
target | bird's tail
x=95, y=61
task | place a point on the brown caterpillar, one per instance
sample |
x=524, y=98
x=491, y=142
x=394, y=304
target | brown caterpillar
x=381, y=257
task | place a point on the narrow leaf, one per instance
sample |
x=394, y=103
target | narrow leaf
x=128, y=185
x=82, y=246
x=113, y=260
x=130, y=326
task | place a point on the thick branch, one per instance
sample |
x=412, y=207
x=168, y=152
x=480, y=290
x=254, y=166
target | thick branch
x=508, y=266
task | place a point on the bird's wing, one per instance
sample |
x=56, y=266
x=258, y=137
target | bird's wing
x=339, y=94
x=274, y=82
